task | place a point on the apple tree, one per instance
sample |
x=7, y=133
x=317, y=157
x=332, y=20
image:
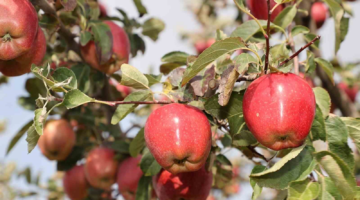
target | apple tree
x=258, y=86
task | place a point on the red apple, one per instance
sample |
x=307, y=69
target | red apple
x=201, y=45
x=57, y=140
x=279, y=110
x=319, y=13
x=103, y=12
x=307, y=79
x=124, y=90
x=75, y=184
x=128, y=177
x=121, y=50
x=22, y=64
x=19, y=26
x=350, y=91
x=101, y=168
x=259, y=9
x=179, y=137
x=190, y=185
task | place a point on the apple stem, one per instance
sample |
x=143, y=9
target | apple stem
x=300, y=50
x=6, y=38
x=267, y=37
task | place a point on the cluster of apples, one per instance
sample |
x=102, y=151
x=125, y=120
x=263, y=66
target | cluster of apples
x=22, y=41
x=258, y=8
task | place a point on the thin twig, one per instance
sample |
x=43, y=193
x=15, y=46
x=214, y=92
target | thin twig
x=252, y=149
x=114, y=103
x=300, y=50
x=267, y=37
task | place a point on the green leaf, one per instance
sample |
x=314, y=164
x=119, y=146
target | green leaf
x=328, y=188
x=309, y=37
x=137, y=44
x=75, y=98
x=137, y=144
x=166, y=68
x=76, y=154
x=123, y=110
x=344, y=27
x=257, y=189
x=85, y=38
x=249, y=28
x=279, y=52
x=32, y=138
x=323, y=100
x=288, y=169
x=286, y=16
x=318, y=126
x=103, y=39
x=310, y=64
x=69, y=5
x=243, y=61
x=337, y=170
x=243, y=139
x=299, y=29
x=148, y=164
x=153, y=79
x=304, y=175
x=18, y=135
x=132, y=77
x=140, y=7
x=232, y=111
x=82, y=73
x=216, y=50
x=175, y=57
x=27, y=174
x=39, y=119
x=152, y=28
x=327, y=67
x=337, y=13
x=353, y=126
x=120, y=146
x=63, y=74
x=303, y=190
x=337, y=136
x=143, y=189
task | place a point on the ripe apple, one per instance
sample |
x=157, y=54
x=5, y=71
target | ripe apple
x=75, y=184
x=22, y=64
x=319, y=13
x=121, y=50
x=57, y=140
x=350, y=91
x=189, y=185
x=279, y=110
x=124, y=90
x=101, y=168
x=19, y=27
x=129, y=174
x=200, y=46
x=259, y=9
x=179, y=137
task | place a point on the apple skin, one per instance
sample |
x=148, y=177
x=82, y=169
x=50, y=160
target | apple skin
x=279, y=110
x=121, y=50
x=101, y=168
x=179, y=137
x=22, y=64
x=351, y=92
x=57, y=140
x=319, y=13
x=75, y=183
x=200, y=46
x=18, y=20
x=124, y=90
x=190, y=185
x=259, y=9
x=128, y=177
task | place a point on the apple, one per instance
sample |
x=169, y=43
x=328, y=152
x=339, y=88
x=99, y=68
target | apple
x=58, y=139
x=103, y=12
x=231, y=189
x=22, y=64
x=19, y=27
x=201, y=45
x=129, y=174
x=101, y=168
x=189, y=185
x=179, y=137
x=75, y=184
x=279, y=109
x=307, y=79
x=259, y=9
x=319, y=13
x=124, y=90
x=121, y=51
x=350, y=91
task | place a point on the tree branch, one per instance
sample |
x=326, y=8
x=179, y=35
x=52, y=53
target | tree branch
x=300, y=50
x=267, y=37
